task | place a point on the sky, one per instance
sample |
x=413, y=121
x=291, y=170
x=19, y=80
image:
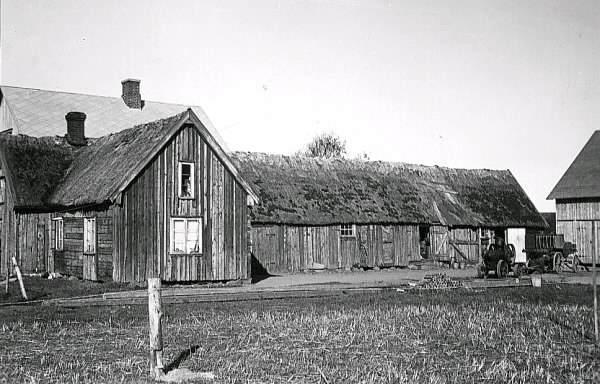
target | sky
x=497, y=84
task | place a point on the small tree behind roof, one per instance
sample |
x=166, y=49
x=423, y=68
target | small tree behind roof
x=325, y=146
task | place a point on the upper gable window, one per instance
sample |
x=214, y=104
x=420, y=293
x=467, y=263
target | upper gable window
x=2, y=190
x=186, y=180
x=347, y=230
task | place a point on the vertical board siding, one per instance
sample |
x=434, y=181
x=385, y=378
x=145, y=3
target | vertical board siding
x=143, y=220
x=285, y=249
x=579, y=233
x=467, y=241
x=581, y=210
x=31, y=240
x=574, y=220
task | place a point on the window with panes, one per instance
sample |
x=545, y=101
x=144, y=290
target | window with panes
x=89, y=235
x=347, y=230
x=58, y=233
x=186, y=235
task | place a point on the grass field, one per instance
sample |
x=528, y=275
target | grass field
x=518, y=335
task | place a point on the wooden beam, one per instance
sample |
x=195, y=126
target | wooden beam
x=458, y=250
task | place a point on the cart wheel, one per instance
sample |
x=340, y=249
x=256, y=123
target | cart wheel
x=557, y=262
x=512, y=251
x=501, y=269
x=518, y=270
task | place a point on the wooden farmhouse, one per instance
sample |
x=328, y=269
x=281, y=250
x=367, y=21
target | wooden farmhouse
x=118, y=193
x=341, y=213
x=577, y=196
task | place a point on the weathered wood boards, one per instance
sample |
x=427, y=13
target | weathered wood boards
x=576, y=220
x=142, y=224
x=281, y=249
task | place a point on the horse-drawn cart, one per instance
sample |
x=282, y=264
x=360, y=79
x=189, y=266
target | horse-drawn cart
x=543, y=253
x=550, y=253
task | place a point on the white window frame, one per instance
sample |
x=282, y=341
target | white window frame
x=59, y=233
x=186, y=220
x=2, y=189
x=89, y=242
x=347, y=230
x=192, y=181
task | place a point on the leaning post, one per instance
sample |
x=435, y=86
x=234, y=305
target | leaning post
x=20, y=278
x=155, y=317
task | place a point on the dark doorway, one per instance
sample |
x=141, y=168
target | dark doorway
x=424, y=241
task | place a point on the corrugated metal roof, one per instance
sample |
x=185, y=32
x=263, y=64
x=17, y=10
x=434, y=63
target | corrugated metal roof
x=582, y=179
x=42, y=113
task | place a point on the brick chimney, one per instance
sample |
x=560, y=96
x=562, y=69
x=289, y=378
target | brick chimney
x=131, y=93
x=76, y=129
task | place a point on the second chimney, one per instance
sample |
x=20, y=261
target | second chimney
x=131, y=93
x=76, y=128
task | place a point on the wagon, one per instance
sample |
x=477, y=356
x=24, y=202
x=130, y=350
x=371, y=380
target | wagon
x=550, y=253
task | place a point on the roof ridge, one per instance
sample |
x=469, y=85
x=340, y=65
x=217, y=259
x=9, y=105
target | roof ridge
x=359, y=161
x=95, y=95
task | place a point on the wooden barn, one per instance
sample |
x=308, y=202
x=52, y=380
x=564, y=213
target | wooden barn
x=340, y=214
x=577, y=196
x=161, y=199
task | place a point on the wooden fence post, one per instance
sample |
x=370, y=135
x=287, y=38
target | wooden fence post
x=7, y=274
x=20, y=277
x=594, y=253
x=155, y=317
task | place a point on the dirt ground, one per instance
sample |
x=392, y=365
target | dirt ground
x=396, y=277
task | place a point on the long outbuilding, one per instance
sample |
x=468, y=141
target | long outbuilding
x=339, y=214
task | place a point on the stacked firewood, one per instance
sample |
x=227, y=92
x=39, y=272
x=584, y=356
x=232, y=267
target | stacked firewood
x=438, y=281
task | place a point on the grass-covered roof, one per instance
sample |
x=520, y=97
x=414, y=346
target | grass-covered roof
x=307, y=191
x=99, y=169
x=35, y=167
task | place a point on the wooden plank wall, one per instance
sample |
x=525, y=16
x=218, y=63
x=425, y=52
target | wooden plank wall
x=142, y=221
x=31, y=241
x=466, y=239
x=285, y=249
x=7, y=239
x=439, y=242
x=580, y=211
x=580, y=233
x=574, y=220
x=71, y=259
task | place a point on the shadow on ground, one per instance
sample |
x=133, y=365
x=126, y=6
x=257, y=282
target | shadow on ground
x=259, y=272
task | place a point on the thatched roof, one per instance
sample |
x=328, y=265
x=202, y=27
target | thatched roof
x=99, y=169
x=307, y=191
x=582, y=179
x=48, y=174
x=34, y=166
x=550, y=218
